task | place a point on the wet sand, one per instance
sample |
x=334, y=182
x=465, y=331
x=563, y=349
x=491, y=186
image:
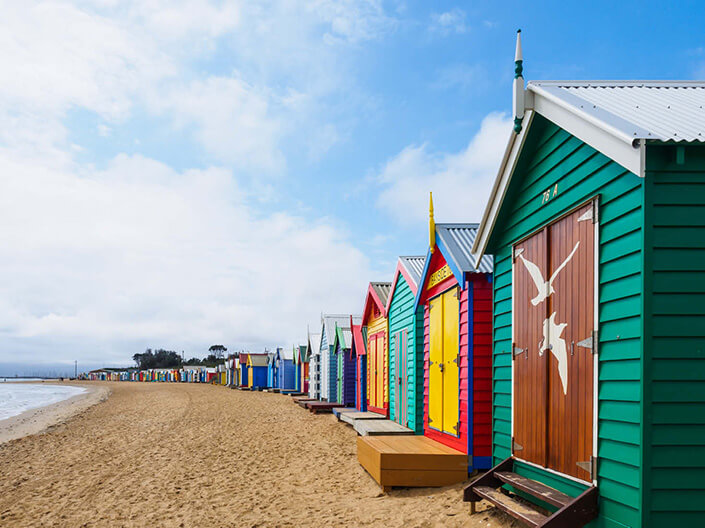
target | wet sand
x=38, y=420
x=189, y=455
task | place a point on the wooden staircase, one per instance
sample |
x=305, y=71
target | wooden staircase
x=573, y=512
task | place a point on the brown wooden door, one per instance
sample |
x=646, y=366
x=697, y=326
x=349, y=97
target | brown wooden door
x=553, y=329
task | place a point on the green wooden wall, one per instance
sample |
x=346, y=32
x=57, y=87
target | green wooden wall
x=402, y=316
x=552, y=156
x=674, y=333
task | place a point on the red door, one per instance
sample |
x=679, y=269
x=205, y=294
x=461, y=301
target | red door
x=554, y=294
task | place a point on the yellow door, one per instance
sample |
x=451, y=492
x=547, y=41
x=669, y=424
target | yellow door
x=451, y=362
x=380, y=371
x=371, y=368
x=435, y=368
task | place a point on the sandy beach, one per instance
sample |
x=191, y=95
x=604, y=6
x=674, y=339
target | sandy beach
x=183, y=455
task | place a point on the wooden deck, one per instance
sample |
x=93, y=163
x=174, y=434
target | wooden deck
x=352, y=417
x=380, y=428
x=298, y=399
x=411, y=461
x=340, y=410
x=320, y=407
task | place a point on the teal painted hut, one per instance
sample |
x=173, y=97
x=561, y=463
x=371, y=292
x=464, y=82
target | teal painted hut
x=597, y=225
x=406, y=345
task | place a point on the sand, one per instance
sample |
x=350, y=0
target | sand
x=188, y=455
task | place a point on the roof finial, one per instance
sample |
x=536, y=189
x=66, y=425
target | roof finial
x=518, y=99
x=431, y=224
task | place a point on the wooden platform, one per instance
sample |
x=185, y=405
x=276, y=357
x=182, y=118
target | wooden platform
x=298, y=399
x=303, y=403
x=291, y=392
x=411, y=461
x=337, y=411
x=320, y=407
x=352, y=417
x=380, y=428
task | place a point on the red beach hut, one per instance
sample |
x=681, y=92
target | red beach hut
x=455, y=292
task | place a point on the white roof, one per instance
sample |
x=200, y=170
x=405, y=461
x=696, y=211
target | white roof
x=652, y=110
x=616, y=118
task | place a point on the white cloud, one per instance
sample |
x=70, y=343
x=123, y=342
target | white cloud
x=233, y=120
x=96, y=260
x=452, y=21
x=460, y=182
x=139, y=252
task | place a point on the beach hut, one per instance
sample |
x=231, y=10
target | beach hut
x=272, y=364
x=375, y=326
x=359, y=354
x=303, y=368
x=314, y=372
x=328, y=360
x=285, y=372
x=346, y=364
x=257, y=370
x=596, y=224
x=406, y=341
x=455, y=292
x=244, y=378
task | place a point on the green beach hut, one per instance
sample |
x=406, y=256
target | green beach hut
x=406, y=345
x=597, y=225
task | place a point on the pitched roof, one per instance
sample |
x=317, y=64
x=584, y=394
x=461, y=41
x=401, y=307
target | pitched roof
x=314, y=343
x=651, y=110
x=411, y=268
x=329, y=321
x=414, y=267
x=343, y=333
x=382, y=290
x=358, y=340
x=456, y=244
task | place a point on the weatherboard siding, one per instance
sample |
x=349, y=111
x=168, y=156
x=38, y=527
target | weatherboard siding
x=402, y=317
x=674, y=333
x=324, y=366
x=553, y=157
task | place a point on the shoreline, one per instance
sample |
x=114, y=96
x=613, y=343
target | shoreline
x=38, y=420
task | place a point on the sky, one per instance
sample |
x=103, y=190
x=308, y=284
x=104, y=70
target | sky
x=180, y=173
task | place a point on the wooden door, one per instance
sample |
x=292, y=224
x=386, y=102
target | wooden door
x=435, y=364
x=371, y=373
x=530, y=371
x=444, y=363
x=451, y=362
x=553, y=328
x=380, y=371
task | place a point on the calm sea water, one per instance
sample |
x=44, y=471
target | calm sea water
x=16, y=398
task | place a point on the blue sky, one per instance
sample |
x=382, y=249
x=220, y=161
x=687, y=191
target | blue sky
x=180, y=173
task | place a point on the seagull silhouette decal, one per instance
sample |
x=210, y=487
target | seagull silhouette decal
x=552, y=331
x=545, y=287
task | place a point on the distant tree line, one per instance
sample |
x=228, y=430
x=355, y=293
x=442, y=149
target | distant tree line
x=160, y=358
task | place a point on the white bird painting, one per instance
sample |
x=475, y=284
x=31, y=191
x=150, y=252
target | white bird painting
x=553, y=341
x=545, y=287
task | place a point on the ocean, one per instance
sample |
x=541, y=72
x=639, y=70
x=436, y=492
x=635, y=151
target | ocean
x=16, y=398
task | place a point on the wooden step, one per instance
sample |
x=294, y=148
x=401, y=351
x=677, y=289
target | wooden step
x=511, y=506
x=535, y=489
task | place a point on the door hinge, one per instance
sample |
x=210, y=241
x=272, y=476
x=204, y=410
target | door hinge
x=516, y=447
x=517, y=252
x=589, y=342
x=456, y=360
x=518, y=351
x=457, y=428
x=590, y=466
x=430, y=362
x=587, y=215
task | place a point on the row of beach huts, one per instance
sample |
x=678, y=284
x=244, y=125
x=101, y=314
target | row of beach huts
x=555, y=349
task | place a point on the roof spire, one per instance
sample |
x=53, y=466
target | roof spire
x=431, y=224
x=518, y=99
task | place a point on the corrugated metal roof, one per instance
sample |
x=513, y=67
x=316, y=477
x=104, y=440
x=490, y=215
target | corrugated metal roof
x=414, y=266
x=258, y=360
x=458, y=240
x=330, y=320
x=314, y=342
x=382, y=290
x=656, y=110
